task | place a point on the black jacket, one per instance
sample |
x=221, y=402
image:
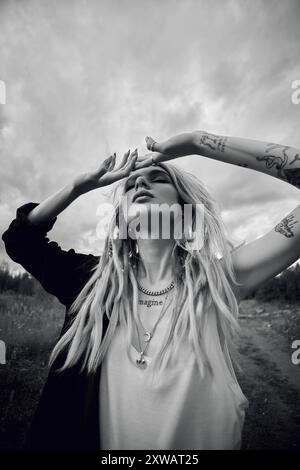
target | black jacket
x=67, y=416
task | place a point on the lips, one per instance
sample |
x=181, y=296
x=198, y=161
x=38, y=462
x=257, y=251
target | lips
x=142, y=193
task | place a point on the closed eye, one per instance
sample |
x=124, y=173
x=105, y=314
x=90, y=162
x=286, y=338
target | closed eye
x=156, y=180
x=160, y=179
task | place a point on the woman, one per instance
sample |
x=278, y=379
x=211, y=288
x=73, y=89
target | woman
x=144, y=357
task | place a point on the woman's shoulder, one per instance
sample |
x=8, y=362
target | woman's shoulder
x=81, y=265
x=78, y=268
x=83, y=261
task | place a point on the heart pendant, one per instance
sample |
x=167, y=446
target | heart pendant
x=141, y=360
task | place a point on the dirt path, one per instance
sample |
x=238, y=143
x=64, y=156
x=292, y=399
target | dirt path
x=282, y=360
x=268, y=379
x=271, y=383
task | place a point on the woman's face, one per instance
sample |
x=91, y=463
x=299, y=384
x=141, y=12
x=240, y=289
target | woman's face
x=147, y=189
x=153, y=180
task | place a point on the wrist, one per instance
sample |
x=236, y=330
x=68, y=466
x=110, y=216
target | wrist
x=153, y=146
x=77, y=188
x=182, y=144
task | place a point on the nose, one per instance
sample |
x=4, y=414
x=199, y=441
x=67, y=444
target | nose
x=141, y=181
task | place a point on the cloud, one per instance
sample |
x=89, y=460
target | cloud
x=85, y=79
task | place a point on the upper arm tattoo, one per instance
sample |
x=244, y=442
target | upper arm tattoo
x=293, y=176
x=285, y=227
x=276, y=155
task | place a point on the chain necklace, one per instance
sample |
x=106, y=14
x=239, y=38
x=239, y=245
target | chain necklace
x=141, y=361
x=155, y=292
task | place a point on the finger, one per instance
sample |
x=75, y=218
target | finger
x=133, y=157
x=107, y=162
x=125, y=170
x=124, y=160
x=149, y=141
x=113, y=162
x=130, y=164
x=143, y=164
x=105, y=165
x=110, y=162
x=129, y=158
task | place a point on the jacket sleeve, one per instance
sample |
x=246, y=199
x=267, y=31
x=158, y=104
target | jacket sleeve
x=61, y=273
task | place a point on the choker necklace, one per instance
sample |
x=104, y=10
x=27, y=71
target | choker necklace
x=155, y=292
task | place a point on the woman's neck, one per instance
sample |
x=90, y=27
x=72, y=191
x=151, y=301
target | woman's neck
x=155, y=265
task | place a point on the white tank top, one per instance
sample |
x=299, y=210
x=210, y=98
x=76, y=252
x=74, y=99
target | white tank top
x=184, y=411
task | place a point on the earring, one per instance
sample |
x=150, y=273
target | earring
x=116, y=232
x=133, y=254
x=110, y=249
x=182, y=259
x=133, y=251
x=190, y=235
x=181, y=262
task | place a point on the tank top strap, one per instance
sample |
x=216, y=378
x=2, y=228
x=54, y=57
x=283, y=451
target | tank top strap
x=219, y=355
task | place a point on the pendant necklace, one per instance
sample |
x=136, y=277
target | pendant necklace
x=149, y=334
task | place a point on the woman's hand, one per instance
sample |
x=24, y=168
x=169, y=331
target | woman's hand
x=106, y=173
x=177, y=146
x=147, y=160
x=150, y=143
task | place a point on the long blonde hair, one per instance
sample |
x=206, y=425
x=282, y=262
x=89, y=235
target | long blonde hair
x=201, y=280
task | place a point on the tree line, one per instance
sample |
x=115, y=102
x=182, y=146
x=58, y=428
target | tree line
x=17, y=283
x=285, y=287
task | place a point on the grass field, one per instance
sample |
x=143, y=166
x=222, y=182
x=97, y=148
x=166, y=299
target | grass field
x=30, y=326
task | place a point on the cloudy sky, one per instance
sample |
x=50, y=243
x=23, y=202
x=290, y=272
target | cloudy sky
x=87, y=78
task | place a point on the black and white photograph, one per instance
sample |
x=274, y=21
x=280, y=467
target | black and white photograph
x=150, y=228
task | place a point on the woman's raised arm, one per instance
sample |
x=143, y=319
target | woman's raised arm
x=280, y=161
x=61, y=273
x=266, y=256
x=106, y=174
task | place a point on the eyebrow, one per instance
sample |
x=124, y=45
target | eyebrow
x=153, y=172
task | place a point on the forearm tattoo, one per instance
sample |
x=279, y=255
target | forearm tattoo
x=213, y=142
x=277, y=156
x=285, y=227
